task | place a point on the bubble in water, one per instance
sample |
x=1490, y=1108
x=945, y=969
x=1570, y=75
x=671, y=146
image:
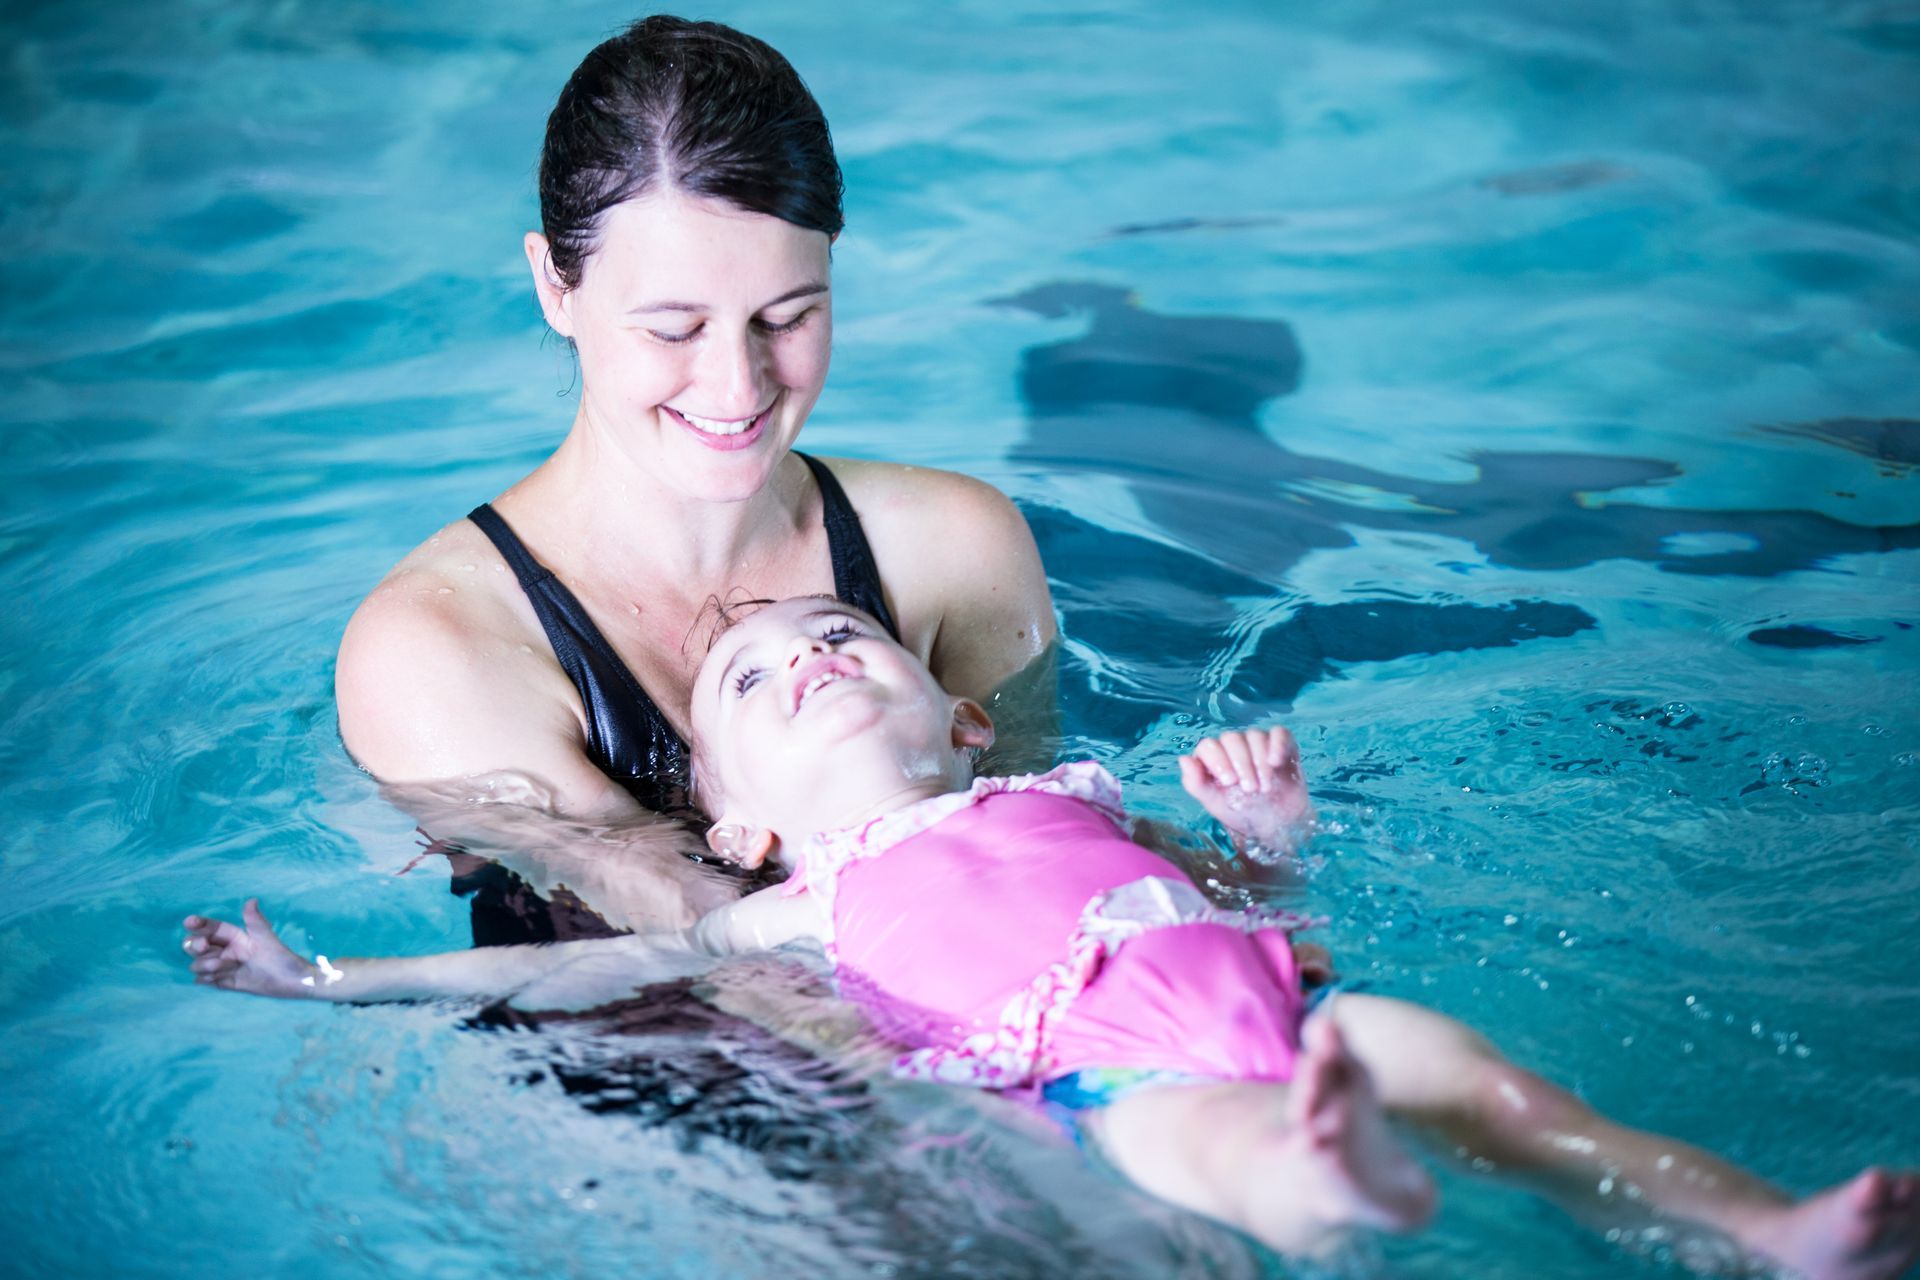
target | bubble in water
x=1874, y=730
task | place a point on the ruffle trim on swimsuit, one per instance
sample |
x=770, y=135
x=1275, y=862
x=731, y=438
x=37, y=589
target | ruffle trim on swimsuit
x=1017, y=1052
x=824, y=856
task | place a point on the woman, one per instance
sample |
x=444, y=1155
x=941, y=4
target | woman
x=688, y=197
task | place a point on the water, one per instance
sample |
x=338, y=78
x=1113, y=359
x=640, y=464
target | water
x=1521, y=406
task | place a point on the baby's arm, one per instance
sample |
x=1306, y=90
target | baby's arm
x=250, y=957
x=1251, y=782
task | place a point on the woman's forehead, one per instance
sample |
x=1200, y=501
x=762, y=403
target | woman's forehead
x=676, y=242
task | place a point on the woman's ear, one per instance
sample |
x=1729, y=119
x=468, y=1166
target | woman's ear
x=743, y=846
x=972, y=727
x=556, y=300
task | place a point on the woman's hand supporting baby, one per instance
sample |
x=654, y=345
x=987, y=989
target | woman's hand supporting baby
x=1250, y=781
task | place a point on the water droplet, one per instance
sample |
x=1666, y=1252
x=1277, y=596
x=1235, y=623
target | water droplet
x=444, y=591
x=1511, y=920
x=468, y=568
x=1874, y=730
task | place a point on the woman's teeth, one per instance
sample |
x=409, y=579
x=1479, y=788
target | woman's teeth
x=713, y=426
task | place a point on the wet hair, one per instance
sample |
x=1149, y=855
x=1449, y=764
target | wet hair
x=688, y=106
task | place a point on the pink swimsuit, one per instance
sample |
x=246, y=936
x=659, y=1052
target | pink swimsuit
x=1012, y=934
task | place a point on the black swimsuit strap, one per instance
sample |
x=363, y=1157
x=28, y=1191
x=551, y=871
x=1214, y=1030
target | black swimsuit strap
x=529, y=571
x=628, y=741
x=856, y=578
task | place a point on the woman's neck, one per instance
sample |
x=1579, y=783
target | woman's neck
x=596, y=505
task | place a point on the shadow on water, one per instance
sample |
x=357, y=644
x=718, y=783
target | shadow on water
x=881, y=1190
x=1168, y=405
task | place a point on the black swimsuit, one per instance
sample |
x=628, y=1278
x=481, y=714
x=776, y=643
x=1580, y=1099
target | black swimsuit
x=627, y=737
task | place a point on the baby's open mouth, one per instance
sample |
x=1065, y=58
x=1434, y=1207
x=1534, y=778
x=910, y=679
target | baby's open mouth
x=828, y=672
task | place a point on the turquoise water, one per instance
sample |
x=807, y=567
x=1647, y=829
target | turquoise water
x=1522, y=406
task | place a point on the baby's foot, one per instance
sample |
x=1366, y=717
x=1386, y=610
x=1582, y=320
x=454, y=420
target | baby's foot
x=1866, y=1229
x=1342, y=1159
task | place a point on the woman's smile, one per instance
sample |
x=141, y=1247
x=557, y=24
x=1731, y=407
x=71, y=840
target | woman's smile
x=717, y=433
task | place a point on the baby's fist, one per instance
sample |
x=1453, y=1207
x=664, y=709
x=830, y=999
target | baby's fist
x=1250, y=781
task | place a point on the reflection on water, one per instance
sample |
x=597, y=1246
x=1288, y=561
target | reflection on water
x=1168, y=403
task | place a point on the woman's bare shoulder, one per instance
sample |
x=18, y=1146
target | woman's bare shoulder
x=926, y=502
x=961, y=567
x=439, y=659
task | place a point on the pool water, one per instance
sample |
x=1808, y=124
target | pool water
x=1520, y=404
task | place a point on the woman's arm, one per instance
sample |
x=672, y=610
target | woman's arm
x=477, y=733
x=970, y=593
x=251, y=958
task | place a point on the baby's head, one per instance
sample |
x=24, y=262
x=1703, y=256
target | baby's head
x=807, y=716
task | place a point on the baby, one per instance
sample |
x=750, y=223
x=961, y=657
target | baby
x=1007, y=934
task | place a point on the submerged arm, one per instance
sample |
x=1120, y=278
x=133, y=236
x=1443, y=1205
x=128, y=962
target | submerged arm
x=481, y=739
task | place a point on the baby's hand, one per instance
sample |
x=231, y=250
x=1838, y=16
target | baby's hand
x=1251, y=782
x=250, y=958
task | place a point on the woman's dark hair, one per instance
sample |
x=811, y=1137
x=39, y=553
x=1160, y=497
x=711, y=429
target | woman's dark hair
x=690, y=105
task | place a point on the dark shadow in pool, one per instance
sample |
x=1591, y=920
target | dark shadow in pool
x=1136, y=601
x=1167, y=404
x=670, y=1060
x=886, y=1200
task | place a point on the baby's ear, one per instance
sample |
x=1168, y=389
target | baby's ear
x=972, y=726
x=739, y=844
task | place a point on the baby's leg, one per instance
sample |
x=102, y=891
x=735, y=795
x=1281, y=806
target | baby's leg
x=1293, y=1165
x=1446, y=1077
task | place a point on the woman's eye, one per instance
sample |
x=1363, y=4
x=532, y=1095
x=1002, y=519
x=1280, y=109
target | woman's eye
x=673, y=339
x=744, y=682
x=768, y=326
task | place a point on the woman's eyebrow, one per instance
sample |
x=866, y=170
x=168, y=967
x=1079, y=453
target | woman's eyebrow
x=804, y=291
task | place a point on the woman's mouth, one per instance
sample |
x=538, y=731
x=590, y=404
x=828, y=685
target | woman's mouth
x=722, y=433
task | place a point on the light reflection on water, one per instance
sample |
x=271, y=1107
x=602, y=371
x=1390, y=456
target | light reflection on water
x=1557, y=297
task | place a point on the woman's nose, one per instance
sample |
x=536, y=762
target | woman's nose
x=732, y=374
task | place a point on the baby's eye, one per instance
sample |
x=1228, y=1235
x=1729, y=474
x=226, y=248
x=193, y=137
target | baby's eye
x=841, y=632
x=744, y=682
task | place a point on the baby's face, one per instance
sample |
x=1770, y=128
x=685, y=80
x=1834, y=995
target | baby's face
x=807, y=714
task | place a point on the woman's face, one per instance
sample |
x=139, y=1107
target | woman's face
x=703, y=334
